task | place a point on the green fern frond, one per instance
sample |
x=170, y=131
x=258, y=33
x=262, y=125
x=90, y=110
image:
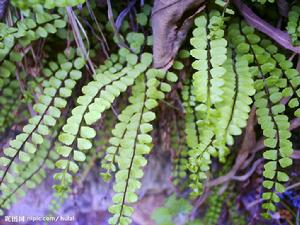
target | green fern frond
x=193, y=134
x=30, y=175
x=293, y=25
x=234, y=109
x=288, y=77
x=191, y=116
x=98, y=97
x=225, y=74
x=262, y=2
x=269, y=85
x=132, y=139
x=56, y=90
x=210, y=54
x=22, y=34
x=180, y=161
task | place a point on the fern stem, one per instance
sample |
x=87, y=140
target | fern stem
x=134, y=149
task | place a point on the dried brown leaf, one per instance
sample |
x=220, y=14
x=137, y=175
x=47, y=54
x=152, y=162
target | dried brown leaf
x=171, y=20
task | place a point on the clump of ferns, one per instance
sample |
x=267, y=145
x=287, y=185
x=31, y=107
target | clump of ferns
x=231, y=63
x=217, y=102
x=128, y=67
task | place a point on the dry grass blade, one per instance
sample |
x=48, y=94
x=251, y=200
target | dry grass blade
x=77, y=29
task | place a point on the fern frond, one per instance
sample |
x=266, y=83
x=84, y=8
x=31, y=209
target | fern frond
x=109, y=161
x=270, y=111
x=98, y=97
x=180, y=170
x=234, y=109
x=191, y=116
x=181, y=133
x=215, y=205
x=56, y=90
x=210, y=54
x=193, y=134
x=180, y=162
x=293, y=25
x=126, y=181
x=133, y=140
x=288, y=77
x=23, y=34
x=262, y=2
x=30, y=175
x=200, y=160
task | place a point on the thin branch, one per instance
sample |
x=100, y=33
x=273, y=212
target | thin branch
x=249, y=173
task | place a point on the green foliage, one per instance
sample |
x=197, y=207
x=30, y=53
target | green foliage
x=48, y=110
x=236, y=216
x=210, y=54
x=25, y=32
x=98, y=97
x=171, y=211
x=225, y=63
x=263, y=1
x=274, y=80
x=224, y=4
x=293, y=26
x=132, y=141
x=219, y=98
x=48, y=4
x=30, y=175
x=180, y=170
x=215, y=205
x=9, y=102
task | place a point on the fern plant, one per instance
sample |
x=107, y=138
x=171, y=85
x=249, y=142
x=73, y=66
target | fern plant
x=81, y=81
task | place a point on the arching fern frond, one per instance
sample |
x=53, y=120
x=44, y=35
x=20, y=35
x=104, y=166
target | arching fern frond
x=288, y=77
x=53, y=99
x=98, y=97
x=22, y=34
x=30, y=175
